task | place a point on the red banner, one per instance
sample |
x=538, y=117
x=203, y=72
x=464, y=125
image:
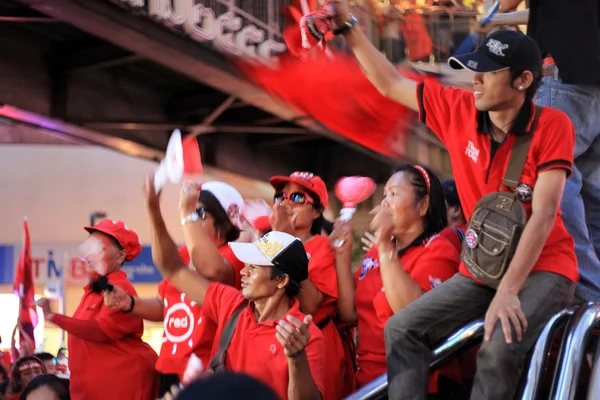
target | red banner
x=25, y=289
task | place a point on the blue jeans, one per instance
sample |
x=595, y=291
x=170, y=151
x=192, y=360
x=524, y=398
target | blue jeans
x=581, y=200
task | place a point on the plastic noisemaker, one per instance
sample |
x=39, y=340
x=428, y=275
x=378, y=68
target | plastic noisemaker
x=182, y=157
x=352, y=190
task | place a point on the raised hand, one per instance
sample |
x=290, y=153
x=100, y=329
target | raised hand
x=188, y=197
x=383, y=225
x=341, y=238
x=281, y=218
x=117, y=299
x=293, y=335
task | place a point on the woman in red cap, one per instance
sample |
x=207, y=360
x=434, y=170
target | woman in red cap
x=299, y=202
x=210, y=218
x=409, y=258
x=108, y=357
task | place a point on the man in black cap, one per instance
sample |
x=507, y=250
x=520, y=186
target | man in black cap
x=568, y=34
x=271, y=340
x=479, y=130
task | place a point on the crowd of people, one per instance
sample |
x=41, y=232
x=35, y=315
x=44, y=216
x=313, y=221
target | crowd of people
x=270, y=306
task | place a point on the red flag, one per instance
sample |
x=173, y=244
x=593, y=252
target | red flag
x=25, y=289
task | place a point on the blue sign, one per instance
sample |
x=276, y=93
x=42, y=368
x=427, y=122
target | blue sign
x=142, y=269
x=7, y=262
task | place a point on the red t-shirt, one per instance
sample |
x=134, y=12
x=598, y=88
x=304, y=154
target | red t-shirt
x=455, y=235
x=479, y=170
x=429, y=263
x=184, y=332
x=321, y=272
x=254, y=348
x=123, y=367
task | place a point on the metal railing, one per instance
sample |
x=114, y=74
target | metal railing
x=462, y=339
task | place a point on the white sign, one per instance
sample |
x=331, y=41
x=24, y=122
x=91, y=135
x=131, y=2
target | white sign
x=224, y=31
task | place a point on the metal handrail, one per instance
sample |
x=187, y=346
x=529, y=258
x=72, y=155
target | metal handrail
x=572, y=353
x=541, y=350
x=461, y=339
x=594, y=387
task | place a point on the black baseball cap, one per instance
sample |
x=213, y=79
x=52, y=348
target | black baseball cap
x=502, y=50
x=275, y=249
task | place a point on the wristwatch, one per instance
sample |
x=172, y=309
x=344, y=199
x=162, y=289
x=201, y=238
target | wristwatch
x=193, y=217
x=340, y=30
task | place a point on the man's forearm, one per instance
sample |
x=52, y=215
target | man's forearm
x=148, y=309
x=530, y=247
x=301, y=385
x=512, y=18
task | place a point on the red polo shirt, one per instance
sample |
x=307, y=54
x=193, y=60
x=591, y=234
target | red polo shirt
x=429, y=262
x=254, y=348
x=479, y=163
x=123, y=367
x=185, y=333
x=455, y=235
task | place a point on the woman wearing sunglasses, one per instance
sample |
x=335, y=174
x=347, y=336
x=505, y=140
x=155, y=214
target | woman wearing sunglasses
x=210, y=216
x=299, y=202
x=408, y=258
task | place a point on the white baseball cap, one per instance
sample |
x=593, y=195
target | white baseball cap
x=277, y=249
x=230, y=199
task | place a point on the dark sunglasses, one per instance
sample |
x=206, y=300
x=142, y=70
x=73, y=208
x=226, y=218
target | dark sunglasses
x=298, y=198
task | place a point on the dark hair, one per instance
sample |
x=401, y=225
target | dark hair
x=3, y=374
x=535, y=83
x=15, y=380
x=327, y=226
x=436, y=218
x=44, y=356
x=52, y=382
x=227, y=386
x=223, y=224
x=292, y=289
x=450, y=193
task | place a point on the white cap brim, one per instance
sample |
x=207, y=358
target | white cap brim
x=248, y=253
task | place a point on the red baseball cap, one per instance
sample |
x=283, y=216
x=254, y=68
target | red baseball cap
x=307, y=180
x=127, y=238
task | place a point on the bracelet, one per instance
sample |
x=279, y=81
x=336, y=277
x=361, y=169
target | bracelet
x=132, y=305
x=297, y=354
x=347, y=26
x=388, y=255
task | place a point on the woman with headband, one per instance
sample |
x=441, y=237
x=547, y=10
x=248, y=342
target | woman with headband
x=408, y=258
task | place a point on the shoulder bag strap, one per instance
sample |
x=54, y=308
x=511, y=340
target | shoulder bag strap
x=519, y=152
x=219, y=359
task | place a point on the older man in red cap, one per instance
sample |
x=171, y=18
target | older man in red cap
x=108, y=358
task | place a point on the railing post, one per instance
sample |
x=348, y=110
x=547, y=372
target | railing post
x=594, y=388
x=572, y=354
x=540, y=352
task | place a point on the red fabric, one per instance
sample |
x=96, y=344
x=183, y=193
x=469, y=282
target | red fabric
x=429, y=264
x=24, y=288
x=86, y=330
x=185, y=330
x=254, y=348
x=127, y=238
x=452, y=235
x=123, y=365
x=336, y=92
x=322, y=274
x=451, y=114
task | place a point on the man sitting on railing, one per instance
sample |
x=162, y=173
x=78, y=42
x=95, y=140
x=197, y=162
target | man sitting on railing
x=485, y=130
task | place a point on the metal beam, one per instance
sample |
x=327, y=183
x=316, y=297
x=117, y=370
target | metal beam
x=79, y=134
x=150, y=40
x=133, y=126
x=5, y=18
x=199, y=129
x=98, y=57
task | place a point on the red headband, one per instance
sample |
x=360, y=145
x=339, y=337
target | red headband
x=29, y=365
x=423, y=172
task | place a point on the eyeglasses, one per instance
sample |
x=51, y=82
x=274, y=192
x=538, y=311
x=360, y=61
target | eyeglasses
x=201, y=212
x=297, y=198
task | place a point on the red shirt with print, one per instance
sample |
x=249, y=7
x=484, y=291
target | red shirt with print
x=429, y=263
x=122, y=367
x=254, y=348
x=184, y=330
x=455, y=234
x=479, y=163
x=321, y=272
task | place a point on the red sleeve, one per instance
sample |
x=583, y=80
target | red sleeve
x=115, y=323
x=236, y=264
x=161, y=288
x=557, y=141
x=439, y=104
x=438, y=263
x=315, y=352
x=321, y=266
x=220, y=302
x=85, y=329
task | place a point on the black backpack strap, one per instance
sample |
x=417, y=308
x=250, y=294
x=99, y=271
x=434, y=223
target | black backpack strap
x=218, y=361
